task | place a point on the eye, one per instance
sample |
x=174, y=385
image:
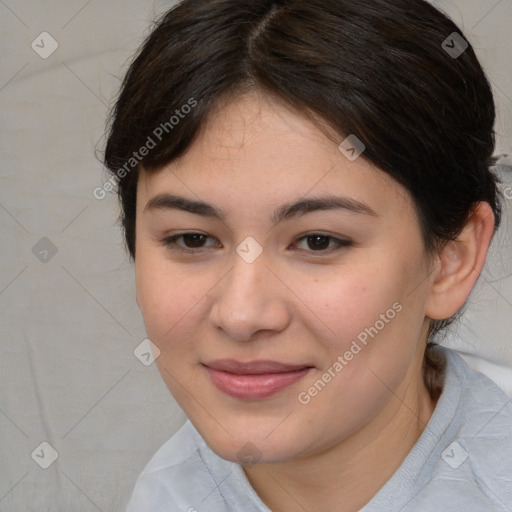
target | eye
x=194, y=239
x=318, y=242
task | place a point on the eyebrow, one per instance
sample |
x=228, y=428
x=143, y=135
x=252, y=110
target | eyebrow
x=285, y=212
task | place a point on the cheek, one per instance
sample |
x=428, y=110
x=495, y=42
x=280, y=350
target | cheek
x=347, y=304
x=171, y=299
x=162, y=296
x=368, y=304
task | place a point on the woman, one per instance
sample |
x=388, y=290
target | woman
x=307, y=195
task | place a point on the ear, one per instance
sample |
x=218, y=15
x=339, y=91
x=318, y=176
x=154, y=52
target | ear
x=459, y=265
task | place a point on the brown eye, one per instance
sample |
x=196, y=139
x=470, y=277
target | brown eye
x=318, y=242
x=191, y=241
x=195, y=239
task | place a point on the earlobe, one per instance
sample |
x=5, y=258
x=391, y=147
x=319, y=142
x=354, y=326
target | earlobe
x=459, y=264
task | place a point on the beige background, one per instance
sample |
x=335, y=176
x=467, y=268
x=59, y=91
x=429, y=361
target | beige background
x=69, y=325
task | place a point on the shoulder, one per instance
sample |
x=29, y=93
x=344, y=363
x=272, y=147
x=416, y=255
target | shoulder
x=180, y=449
x=186, y=475
x=472, y=464
x=482, y=408
x=484, y=423
x=173, y=476
x=463, y=459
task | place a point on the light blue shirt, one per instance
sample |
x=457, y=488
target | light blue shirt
x=461, y=463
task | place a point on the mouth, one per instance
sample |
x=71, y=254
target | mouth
x=254, y=380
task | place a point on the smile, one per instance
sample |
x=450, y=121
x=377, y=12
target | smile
x=254, y=380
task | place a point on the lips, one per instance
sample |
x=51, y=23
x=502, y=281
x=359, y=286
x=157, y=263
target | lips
x=253, y=368
x=254, y=380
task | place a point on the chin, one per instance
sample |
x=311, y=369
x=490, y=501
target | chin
x=249, y=447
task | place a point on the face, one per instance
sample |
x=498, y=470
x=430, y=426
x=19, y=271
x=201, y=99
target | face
x=333, y=297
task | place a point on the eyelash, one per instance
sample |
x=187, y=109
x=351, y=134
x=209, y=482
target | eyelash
x=170, y=242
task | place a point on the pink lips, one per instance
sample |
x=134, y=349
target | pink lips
x=253, y=380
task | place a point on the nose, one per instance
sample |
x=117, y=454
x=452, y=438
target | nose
x=251, y=298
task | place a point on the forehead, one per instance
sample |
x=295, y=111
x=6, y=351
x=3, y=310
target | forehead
x=255, y=152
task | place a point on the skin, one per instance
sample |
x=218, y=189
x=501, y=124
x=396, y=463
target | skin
x=297, y=304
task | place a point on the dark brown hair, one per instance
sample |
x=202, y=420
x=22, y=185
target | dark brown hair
x=379, y=69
